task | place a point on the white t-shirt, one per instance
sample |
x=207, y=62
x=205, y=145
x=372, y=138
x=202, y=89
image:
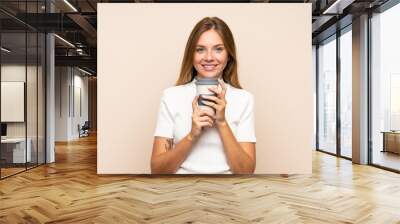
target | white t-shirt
x=207, y=155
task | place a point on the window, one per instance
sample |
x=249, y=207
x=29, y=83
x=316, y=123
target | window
x=385, y=88
x=327, y=96
x=346, y=93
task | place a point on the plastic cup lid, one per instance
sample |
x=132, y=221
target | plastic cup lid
x=206, y=81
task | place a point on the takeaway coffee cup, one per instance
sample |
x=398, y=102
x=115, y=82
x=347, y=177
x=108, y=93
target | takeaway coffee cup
x=202, y=86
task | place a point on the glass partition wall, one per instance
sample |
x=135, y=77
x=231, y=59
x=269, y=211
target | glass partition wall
x=334, y=96
x=327, y=95
x=22, y=88
x=345, y=62
x=385, y=89
x=334, y=105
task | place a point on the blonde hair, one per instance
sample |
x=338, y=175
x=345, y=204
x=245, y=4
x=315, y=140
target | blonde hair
x=188, y=72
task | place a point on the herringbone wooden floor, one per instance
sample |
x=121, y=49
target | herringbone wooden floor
x=69, y=191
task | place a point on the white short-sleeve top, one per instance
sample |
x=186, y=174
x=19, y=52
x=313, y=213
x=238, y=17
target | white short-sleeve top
x=207, y=155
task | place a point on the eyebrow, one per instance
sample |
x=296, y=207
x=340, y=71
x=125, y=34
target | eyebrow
x=213, y=46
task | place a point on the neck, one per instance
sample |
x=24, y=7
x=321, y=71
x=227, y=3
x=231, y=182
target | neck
x=202, y=77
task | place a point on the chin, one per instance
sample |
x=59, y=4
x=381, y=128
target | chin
x=208, y=74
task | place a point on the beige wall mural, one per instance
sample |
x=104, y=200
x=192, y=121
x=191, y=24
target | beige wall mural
x=140, y=50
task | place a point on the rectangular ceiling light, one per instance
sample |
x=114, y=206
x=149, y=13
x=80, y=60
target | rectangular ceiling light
x=5, y=50
x=338, y=6
x=84, y=71
x=70, y=5
x=65, y=41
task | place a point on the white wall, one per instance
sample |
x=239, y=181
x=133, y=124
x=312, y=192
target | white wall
x=80, y=84
x=69, y=81
x=12, y=73
x=62, y=81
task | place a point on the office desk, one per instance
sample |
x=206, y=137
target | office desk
x=391, y=141
x=13, y=150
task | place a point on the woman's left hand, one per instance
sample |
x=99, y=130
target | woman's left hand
x=217, y=102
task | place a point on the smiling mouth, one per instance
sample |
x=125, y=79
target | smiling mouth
x=209, y=67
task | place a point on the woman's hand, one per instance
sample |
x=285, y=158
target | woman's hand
x=217, y=102
x=200, y=119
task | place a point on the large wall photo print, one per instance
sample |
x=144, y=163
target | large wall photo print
x=221, y=88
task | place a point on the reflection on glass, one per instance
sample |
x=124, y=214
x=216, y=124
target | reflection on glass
x=314, y=60
x=346, y=94
x=31, y=101
x=327, y=96
x=395, y=101
x=22, y=90
x=13, y=84
x=41, y=98
x=386, y=88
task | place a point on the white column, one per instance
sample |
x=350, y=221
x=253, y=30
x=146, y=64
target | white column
x=360, y=90
x=50, y=93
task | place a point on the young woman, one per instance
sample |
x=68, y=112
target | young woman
x=193, y=141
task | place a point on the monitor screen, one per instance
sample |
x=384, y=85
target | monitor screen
x=3, y=129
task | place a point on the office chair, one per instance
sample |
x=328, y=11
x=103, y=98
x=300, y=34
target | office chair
x=84, y=130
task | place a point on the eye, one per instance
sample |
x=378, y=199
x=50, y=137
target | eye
x=199, y=50
x=219, y=49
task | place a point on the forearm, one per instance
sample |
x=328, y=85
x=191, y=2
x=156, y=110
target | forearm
x=169, y=161
x=239, y=161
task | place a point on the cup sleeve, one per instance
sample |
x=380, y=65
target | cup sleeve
x=164, y=126
x=246, y=129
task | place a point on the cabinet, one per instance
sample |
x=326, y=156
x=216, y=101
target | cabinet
x=13, y=150
x=391, y=142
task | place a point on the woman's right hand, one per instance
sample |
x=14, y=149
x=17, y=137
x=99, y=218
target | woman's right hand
x=200, y=119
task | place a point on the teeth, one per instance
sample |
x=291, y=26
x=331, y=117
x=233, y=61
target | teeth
x=208, y=67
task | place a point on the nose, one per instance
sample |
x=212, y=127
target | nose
x=209, y=56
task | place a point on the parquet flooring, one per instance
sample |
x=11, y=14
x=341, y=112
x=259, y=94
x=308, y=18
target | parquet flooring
x=10, y=171
x=387, y=159
x=70, y=191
